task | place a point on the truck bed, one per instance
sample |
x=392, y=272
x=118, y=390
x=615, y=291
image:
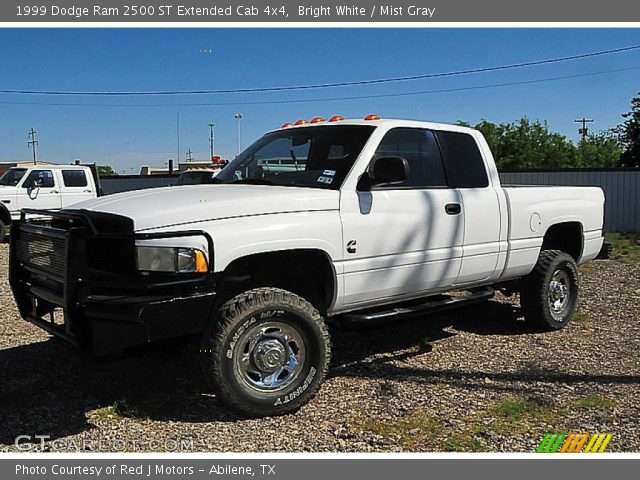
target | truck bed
x=534, y=209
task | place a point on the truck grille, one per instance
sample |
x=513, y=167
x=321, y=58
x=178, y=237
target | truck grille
x=42, y=251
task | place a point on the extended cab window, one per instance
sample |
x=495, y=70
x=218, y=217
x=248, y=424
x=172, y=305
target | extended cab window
x=74, y=178
x=420, y=148
x=318, y=157
x=43, y=177
x=463, y=160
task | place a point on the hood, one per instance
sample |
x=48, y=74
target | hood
x=167, y=206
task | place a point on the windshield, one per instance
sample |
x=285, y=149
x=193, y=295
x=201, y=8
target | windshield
x=319, y=157
x=196, y=178
x=12, y=176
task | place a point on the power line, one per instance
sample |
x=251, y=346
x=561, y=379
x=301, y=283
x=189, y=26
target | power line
x=330, y=99
x=327, y=85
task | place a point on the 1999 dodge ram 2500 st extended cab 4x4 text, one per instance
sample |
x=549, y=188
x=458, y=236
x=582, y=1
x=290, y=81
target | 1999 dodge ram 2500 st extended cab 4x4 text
x=356, y=220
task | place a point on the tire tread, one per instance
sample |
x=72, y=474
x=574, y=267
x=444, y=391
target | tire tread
x=229, y=314
x=533, y=295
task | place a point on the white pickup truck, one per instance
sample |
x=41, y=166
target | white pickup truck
x=43, y=187
x=341, y=220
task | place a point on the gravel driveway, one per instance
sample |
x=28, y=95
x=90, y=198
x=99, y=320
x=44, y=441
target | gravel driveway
x=471, y=379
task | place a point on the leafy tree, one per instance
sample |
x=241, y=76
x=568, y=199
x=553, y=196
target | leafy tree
x=601, y=150
x=104, y=170
x=629, y=135
x=526, y=144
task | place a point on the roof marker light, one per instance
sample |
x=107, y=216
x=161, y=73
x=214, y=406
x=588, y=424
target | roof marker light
x=287, y=125
x=317, y=120
x=301, y=122
x=372, y=116
x=336, y=118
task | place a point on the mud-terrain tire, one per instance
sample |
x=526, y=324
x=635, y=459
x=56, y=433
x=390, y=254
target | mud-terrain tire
x=266, y=353
x=549, y=294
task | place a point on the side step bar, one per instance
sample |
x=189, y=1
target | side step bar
x=436, y=304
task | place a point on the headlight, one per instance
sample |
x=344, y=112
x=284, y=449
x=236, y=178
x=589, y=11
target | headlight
x=174, y=260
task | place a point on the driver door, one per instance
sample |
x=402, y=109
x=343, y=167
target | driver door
x=404, y=239
x=40, y=189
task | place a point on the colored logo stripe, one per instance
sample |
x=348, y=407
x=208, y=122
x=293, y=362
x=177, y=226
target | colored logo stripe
x=574, y=443
x=550, y=443
x=598, y=442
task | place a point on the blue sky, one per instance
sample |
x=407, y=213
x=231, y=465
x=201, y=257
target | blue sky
x=128, y=136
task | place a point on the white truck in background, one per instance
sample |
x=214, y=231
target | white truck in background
x=378, y=220
x=49, y=187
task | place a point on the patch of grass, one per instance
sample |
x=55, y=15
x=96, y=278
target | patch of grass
x=625, y=246
x=416, y=429
x=120, y=409
x=515, y=413
x=463, y=442
x=596, y=402
x=104, y=412
x=581, y=317
x=513, y=408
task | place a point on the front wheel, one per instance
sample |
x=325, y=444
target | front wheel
x=3, y=231
x=549, y=294
x=268, y=352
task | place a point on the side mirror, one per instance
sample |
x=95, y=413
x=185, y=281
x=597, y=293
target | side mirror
x=385, y=170
x=37, y=183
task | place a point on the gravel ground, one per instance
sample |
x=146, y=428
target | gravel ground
x=474, y=379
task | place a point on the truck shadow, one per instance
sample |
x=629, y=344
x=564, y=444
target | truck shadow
x=47, y=388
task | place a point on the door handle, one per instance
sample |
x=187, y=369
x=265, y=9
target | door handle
x=86, y=191
x=452, y=208
x=54, y=191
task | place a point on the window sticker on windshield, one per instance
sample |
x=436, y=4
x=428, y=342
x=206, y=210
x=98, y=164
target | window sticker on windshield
x=323, y=179
x=329, y=173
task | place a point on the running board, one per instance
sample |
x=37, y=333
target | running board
x=428, y=306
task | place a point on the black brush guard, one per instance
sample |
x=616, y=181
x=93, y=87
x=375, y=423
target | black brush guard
x=103, y=311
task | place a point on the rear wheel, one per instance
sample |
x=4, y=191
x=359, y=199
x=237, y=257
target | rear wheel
x=3, y=231
x=269, y=352
x=549, y=293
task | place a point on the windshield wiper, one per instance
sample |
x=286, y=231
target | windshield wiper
x=254, y=181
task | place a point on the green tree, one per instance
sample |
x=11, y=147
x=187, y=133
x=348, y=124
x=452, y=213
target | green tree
x=526, y=144
x=601, y=150
x=104, y=170
x=629, y=135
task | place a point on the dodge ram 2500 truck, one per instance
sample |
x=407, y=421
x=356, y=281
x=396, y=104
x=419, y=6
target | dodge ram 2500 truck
x=342, y=220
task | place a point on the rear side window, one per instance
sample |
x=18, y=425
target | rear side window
x=463, y=160
x=43, y=177
x=420, y=149
x=74, y=178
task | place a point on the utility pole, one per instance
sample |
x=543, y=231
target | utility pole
x=178, y=135
x=238, y=117
x=32, y=143
x=211, y=127
x=189, y=156
x=584, y=131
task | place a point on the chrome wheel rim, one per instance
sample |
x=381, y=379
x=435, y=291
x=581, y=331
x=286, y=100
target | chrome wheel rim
x=559, y=292
x=270, y=356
